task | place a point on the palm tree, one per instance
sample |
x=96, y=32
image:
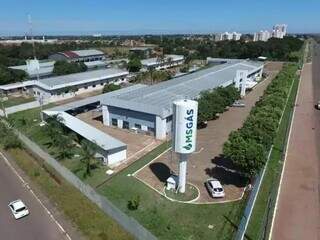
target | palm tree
x=88, y=151
x=64, y=144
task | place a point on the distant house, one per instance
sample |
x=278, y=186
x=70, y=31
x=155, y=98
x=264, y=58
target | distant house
x=88, y=55
x=162, y=63
x=141, y=52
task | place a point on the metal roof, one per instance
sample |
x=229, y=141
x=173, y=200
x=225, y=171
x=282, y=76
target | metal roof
x=157, y=99
x=80, y=78
x=88, y=52
x=155, y=61
x=46, y=68
x=103, y=140
x=93, y=99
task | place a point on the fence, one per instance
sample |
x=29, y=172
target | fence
x=128, y=223
x=250, y=204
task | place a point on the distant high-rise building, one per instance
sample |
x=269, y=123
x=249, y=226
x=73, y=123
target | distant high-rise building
x=227, y=36
x=261, y=36
x=279, y=30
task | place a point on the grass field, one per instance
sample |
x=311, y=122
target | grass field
x=166, y=219
x=30, y=127
x=91, y=221
x=13, y=101
x=270, y=182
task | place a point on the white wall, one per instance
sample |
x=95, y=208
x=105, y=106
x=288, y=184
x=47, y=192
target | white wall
x=161, y=128
x=115, y=159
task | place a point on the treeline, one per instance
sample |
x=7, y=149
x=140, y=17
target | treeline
x=213, y=102
x=247, y=147
x=64, y=67
x=8, y=75
x=285, y=49
x=16, y=55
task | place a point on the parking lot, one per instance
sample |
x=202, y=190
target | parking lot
x=137, y=144
x=208, y=162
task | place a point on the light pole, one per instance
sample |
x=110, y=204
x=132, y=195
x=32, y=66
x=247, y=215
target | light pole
x=2, y=100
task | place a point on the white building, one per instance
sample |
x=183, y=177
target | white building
x=61, y=87
x=164, y=63
x=35, y=68
x=279, y=30
x=227, y=36
x=261, y=36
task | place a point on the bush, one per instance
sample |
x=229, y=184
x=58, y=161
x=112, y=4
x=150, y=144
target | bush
x=133, y=204
x=110, y=87
x=64, y=68
x=215, y=101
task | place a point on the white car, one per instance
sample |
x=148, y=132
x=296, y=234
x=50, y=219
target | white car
x=215, y=188
x=18, y=209
x=238, y=104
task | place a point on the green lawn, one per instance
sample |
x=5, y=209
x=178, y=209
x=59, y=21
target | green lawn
x=85, y=215
x=12, y=101
x=166, y=219
x=30, y=127
x=264, y=206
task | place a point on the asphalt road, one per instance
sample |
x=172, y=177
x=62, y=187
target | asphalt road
x=298, y=210
x=36, y=226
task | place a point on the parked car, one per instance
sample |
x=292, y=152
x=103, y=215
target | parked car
x=238, y=104
x=18, y=209
x=215, y=188
x=202, y=124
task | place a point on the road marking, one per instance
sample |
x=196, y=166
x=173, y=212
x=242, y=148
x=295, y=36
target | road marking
x=25, y=184
x=284, y=161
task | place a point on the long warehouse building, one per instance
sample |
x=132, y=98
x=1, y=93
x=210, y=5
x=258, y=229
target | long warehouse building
x=149, y=108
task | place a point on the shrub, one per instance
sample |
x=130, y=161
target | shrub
x=133, y=204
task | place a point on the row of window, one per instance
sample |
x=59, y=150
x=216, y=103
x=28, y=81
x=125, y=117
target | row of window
x=126, y=125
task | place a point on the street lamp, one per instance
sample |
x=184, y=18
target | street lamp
x=2, y=100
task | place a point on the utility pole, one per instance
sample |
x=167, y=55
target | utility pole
x=40, y=97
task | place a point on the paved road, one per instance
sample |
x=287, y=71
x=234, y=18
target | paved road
x=297, y=216
x=37, y=226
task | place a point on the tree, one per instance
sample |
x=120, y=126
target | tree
x=8, y=75
x=110, y=87
x=64, y=68
x=134, y=65
x=88, y=151
x=247, y=156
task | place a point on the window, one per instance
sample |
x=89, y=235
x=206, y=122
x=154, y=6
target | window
x=114, y=122
x=125, y=125
x=136, y=125
x=150, y=129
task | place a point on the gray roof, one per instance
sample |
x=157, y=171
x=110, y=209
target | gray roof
x=88, y=52
x=157, y=99
x=93, y=99
x=103, y=140
x=155, y=61
x=80, y=78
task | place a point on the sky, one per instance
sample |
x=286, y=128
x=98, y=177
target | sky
x=63, y=17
